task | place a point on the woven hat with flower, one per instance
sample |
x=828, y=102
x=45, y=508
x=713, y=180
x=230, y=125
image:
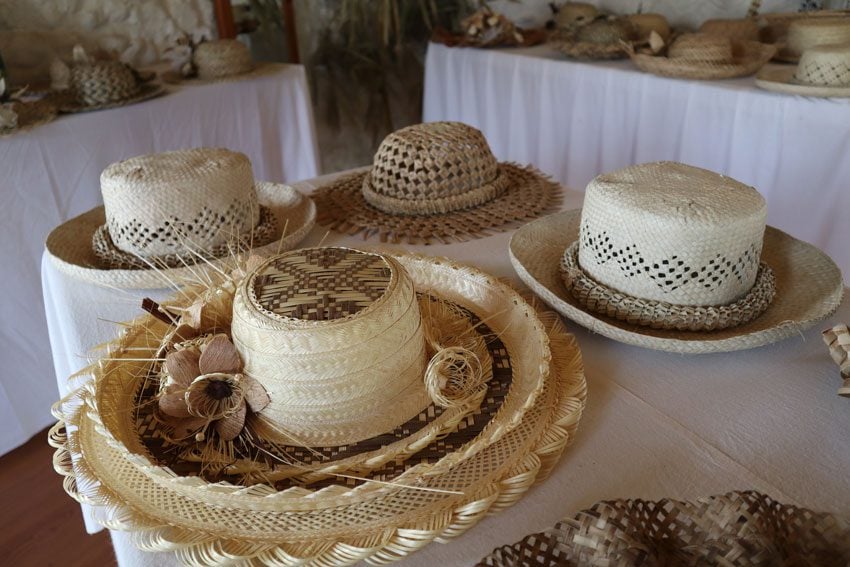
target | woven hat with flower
x=435, y=182
x=321, y=405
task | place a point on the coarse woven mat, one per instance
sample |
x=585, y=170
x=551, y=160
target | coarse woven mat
x=335, y=525
x=781, y=80
x=69, y=246
x=529, y=194
x=733, y=529
x=30, y=115
x=752, y=57
x=809, y=289
x=261, y=69
x=146, y=91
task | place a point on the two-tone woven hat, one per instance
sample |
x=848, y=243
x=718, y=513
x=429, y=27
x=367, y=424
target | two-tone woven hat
x=704, y=56
x=327, y=405
x=171, y=216
x=807, y=33
x=219, y=61
x=604, y=37
x=435, y=182
x=672, y=257
x=822, y=71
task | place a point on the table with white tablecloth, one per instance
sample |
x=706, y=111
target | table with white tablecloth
x=656, y=424
x=575, y=120
x=52, y=173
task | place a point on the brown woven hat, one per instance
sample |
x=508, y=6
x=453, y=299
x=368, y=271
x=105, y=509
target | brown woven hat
x=435, y=182
x=822, y=71
x=738, y=528
x=174, y=438
x=676, y=258
x=604, y=37
x=703, y=56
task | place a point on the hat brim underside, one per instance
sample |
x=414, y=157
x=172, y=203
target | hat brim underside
x=148, y=91
x=69, y=245
x=782, y=80
x=260, y=69
x=809, y=289
x=342, y=207
x=755, y=55
x=338, y=524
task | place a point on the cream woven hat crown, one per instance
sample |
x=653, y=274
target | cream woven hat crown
x=677, y=258
x=704, y=56
x=807, y=33
x=220, y=495
x=822, y=71
x=435, y=181
x=164, y=212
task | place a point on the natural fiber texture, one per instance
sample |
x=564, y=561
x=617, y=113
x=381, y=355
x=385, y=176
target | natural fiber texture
x=822, y=71
x=435, y=182
x=258, y=69
x=809, y=289
x=335, y=336
x=572, y=13
x=602, y=38
x=701, y=56
x=69, y=246
x=776, y=30
x=222, y=58
x=336, y=525
x=673, y=233
x=103, y=82
x=645, y=24
x=838, y=340
x=804, y=34
x=734, y=529
x=746, y=29
x=30, y=115
x=661, y=315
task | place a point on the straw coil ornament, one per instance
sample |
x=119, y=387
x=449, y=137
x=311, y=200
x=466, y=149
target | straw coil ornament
x=437, y=181
x=837, y=339
x=737, y=528
x=110, y=456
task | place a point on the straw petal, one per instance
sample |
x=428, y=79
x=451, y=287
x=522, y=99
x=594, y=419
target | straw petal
x=183, y=366
x=220, y=356
x=255, y=395
x=187, y=427
x=229, y=427
x=173, y=403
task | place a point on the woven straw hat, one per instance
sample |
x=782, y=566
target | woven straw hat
x=221, y=60
x=703, y=56
x=806, y=33
x=602, y=38
x=435, y=182
x=230, y=490
x=746, y=29
x=676, y=258
x=98, y=85
x=822, y=71
x=167, y=217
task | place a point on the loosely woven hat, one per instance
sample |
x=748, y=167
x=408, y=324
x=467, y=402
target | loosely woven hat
x=746, y=29
x=806, y=33
x=738, y=528
x=221, y=60
x=167, y=217
x=703, y=56
x=602, y=38
x=822, y=71
x=672, y=257
x=98, y=85
x=187, y=438
x=431, y=182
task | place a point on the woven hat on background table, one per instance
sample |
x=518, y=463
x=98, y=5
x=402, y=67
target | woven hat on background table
x=745, y=29
x=822, y=71
x=703, y=56
x=328, y=404
x=169, y=217
x=775, y=28
x=672, y=257
x=738, y=528
x=435, y=182
x=220, y=60
x=604, y=37
x=806, y=33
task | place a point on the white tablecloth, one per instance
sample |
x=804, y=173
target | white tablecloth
x=577, y=120
x=52, y=173
x=656, y=425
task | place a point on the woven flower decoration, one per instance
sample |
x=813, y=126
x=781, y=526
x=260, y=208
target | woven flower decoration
x=207, y=388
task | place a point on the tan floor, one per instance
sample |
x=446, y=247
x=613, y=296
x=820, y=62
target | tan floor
x=39, y=524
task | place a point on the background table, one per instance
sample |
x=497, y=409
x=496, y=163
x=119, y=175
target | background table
x=656, y=424
x=52, y=173
x=577, y=120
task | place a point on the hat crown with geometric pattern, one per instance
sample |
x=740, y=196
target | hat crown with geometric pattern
x=827, y=66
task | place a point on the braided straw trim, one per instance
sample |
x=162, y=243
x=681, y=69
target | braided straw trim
x=733, y=529
x=437, y=205
x=659, y=314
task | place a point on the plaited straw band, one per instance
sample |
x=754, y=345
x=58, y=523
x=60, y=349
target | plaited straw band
x=838, y=340
x=658, y=314
x=112, y=257
x=222, y=58
x=335, y=336
x=824, y=66
x=103, y=82
x=435, y=205
x=738, y=528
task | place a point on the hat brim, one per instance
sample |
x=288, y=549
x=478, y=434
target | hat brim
x=260, y=69
x=781, y=80
x=530, y=194
x=147, y=91
x=69, y=246
x=339, y=523
x=753, y=57
x=809, y=289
